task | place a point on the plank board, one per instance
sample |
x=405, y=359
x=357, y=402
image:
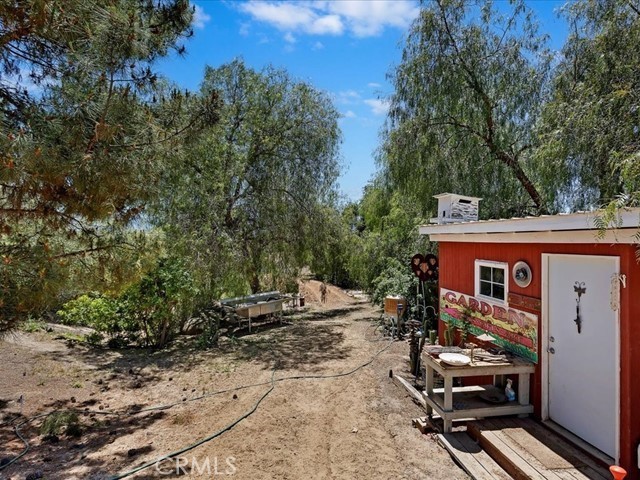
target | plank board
x=475, y=461
x=514, y=365
x=511, y=461
x=514, y=449
x=483, y=458
x=411, y=390
x=467, y=404
x=580, y=463
x=544, y=457
x=527, y=450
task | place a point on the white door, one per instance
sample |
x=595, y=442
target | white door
x=583, y=366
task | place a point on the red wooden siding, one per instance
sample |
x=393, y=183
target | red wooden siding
x=457, y=273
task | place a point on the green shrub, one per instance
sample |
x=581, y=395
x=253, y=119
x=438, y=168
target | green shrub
x=104, y=314
x=150, y=312
x=91, y=310
x=395, y=279
x=160, y=302
x=32, y=325
x=94, y=339
x=57, y=423
x=211, y=331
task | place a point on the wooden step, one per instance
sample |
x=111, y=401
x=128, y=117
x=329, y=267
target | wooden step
x=471, y=457
x=527, y=450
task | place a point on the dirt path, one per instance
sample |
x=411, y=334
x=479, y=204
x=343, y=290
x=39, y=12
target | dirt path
x=350, y=427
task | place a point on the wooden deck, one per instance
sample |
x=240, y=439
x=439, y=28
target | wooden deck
x=471, y=457
x=527, y=450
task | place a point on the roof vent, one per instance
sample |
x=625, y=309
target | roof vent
x=453, y=208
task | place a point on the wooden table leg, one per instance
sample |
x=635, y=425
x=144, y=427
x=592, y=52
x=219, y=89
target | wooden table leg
x=448, y=393
x=523, y=388
x=448, y=403
x=429, y=385
x=448, y=424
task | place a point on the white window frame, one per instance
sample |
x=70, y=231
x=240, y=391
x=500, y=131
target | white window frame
x=492, y=264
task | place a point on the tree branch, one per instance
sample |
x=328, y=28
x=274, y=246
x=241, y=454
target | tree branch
x=87, y=250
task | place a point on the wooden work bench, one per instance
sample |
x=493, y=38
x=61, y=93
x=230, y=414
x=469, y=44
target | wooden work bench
x=464, y=402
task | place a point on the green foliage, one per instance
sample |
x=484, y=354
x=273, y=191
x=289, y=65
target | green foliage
x=86, y=127
x=449, y=334
x=378, y=231
x=467, y=93
x=72, y=338
x=94, y=339
x=150, y=311
x=91, y=310
x=32, y=325
x=395, y=279
x=246, y=201
x=57, y=423
x=160, y=303
x=465, y=328
x=210, y=333
x=589, y=130
x=333, y=255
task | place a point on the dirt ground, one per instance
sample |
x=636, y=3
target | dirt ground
x=355, y=426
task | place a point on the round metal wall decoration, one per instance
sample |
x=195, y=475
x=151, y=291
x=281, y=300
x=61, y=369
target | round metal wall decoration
x=521, y=274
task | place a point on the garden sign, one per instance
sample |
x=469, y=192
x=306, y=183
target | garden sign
x=514, y=330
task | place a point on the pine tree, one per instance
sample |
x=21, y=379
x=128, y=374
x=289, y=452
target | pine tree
x=85, y=128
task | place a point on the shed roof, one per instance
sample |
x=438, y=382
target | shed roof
x=623, y=230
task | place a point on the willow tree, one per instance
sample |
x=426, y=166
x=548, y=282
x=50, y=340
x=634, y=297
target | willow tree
x=467, y=92
x=246, y=201
x=590, y=129
x=84, y=130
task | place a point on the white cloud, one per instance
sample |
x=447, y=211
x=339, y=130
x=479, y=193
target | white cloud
x=299, y=17
x=289, y=38
x=349, y=114
x=244, y=29
x=328, y=24
x=347, y=97
x=200, y=17
x=373, y=85
x=366, y=19
x=378, y=107
x=361, y=18
x=318, y=46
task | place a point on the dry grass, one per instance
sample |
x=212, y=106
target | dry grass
x=183, y=418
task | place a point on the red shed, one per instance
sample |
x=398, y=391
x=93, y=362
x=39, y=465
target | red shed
x=566, y=295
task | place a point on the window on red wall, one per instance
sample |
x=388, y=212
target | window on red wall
x=491, y=280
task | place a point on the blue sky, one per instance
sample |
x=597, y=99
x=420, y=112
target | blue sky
x=344, y=47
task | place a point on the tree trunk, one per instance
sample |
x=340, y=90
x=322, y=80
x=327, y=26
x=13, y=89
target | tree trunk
x=522, y=177
x=255, y=282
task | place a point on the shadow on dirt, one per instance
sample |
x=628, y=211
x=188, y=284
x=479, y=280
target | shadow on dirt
x=56, y=456
x=301, y=346
x=329, y=314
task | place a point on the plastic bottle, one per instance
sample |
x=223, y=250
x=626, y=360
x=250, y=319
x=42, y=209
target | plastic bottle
x=508, y=391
